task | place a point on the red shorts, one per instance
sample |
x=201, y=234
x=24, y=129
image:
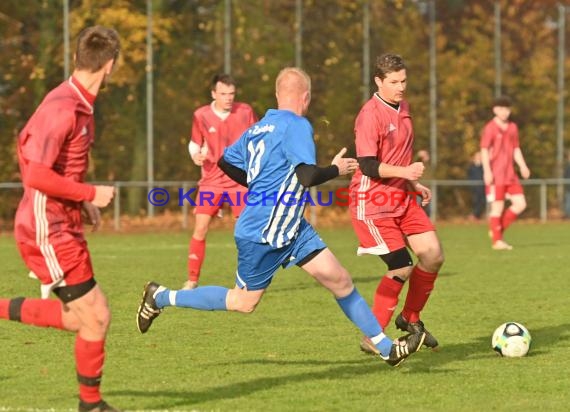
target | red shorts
x=209, y=203
x=65, y=264
x=502, y=192
x=388, y=234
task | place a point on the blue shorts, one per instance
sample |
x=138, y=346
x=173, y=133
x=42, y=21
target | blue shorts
x=258, y=262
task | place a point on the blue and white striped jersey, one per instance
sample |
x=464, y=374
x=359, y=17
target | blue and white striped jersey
x=269, y=151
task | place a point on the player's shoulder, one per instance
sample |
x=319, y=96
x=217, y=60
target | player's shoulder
x=286, y=121
x=490, y=126
x=280, y=115
x=64, y=97
x=376, y=107
x=370, y=104
x=374, y=110
x=60, y=102
x=203, y=110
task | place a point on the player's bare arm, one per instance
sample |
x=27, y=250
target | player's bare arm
x=198, y=153
x=410, y=172
x=485, y=161
x=519, y=160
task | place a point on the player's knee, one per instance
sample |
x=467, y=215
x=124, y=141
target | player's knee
x=334, y=277
x=103, y=317
x=200, y=232
x=96, y=315
x=345, y=277
x=245, y=306
x=431, y=257
x=343, y=281
x=100, y=318
x=496, y=208
x=70, y=320
x=239, y=300
x=248, y=307
x=438, y=259
x=519, y=205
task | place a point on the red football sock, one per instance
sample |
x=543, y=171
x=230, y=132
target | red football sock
x=38, y=312
x=42, y=312
x=196, y=254
x=421, y=285
x=496, y=228
x=508, y=217
x=89, y=358
x=386, y=300
x=4, y=308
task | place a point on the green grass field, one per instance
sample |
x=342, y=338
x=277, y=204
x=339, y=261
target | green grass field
x=297, y=352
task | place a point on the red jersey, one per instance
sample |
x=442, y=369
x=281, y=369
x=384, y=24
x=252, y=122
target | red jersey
x=387, y=134
x=217, y=134
x=501, y=144
x=58, y=137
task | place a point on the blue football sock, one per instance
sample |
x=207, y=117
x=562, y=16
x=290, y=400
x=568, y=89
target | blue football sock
x=201, y=298
x=357, y=310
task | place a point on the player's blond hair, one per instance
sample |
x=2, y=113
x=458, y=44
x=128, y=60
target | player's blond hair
x=292, y=80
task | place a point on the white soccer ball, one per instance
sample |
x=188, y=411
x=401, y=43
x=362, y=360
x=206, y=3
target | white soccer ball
x=511, y=339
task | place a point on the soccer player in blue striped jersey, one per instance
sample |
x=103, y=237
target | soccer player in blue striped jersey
x=275, y=158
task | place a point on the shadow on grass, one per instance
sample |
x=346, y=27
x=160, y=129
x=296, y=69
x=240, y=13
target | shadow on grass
x=240, y=390
x=427, y=362
x=480, y=348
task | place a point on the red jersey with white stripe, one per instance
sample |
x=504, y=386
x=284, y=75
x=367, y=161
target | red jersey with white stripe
x=501, y=144
x=216, y=134
x=387, y=134
x=58, y=135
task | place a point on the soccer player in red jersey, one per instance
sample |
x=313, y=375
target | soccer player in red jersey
x=385, y=215
x=53, y=151
x=215, y=126
x=499, y=147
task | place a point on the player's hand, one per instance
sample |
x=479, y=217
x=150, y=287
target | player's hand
x=91, y=215
x=488, y=178
x=423, y=191
x=103, y=195
x=414, y=171
x=525, y=172
x=198, y=159
x=345, y=165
